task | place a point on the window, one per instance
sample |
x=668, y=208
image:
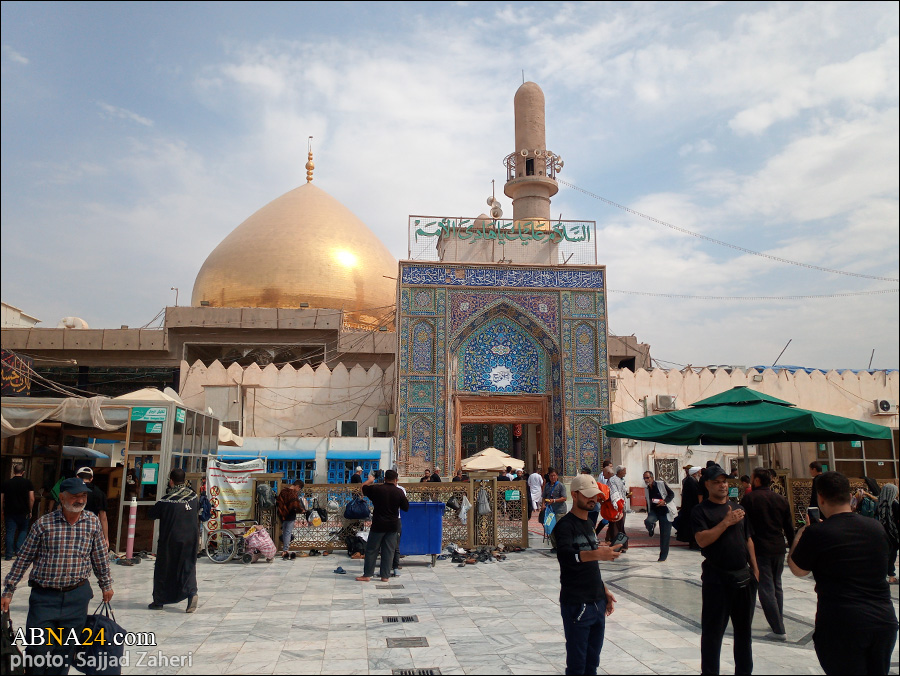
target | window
x=340, y=471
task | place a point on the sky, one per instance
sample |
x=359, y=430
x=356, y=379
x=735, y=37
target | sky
x=136, y=136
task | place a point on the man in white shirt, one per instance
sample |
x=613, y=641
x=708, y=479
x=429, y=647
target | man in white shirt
x=535, y=486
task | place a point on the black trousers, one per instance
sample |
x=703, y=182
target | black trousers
x=721, y=602
x=771, y=594
x=845, y=650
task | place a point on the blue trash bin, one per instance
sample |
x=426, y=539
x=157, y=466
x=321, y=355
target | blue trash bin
x=423, y=529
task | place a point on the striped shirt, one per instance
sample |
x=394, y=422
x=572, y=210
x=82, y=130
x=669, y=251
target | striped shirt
x=63, y=554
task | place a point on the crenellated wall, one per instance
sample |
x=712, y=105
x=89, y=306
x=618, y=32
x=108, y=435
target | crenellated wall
x=292, y=402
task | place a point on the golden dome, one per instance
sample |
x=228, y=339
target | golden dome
x=303, y=247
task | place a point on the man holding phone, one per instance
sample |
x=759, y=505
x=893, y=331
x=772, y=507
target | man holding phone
x=730, y=575
x=584, y=601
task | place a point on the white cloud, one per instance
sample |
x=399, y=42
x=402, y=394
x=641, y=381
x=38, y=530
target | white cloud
x=14, y=56
x=124, y=114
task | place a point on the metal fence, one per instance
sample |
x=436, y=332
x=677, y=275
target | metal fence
x=506, y=523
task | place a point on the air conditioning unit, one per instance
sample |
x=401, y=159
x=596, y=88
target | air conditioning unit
x=665, y=402
x=347, y=428
x=233, y=425
x=392, y=422
x=885, y=407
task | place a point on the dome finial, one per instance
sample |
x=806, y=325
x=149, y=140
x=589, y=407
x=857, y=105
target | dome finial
x=310, y=165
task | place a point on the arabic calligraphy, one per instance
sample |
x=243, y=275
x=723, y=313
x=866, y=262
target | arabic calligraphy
x=467, y=229
x=15, y=375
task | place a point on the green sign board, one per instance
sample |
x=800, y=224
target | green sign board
x=148, y=413
x=855, y=444
x=733, y=492
x=154, y=428
x=179, y=415
x=512, y=495
x=149, y=473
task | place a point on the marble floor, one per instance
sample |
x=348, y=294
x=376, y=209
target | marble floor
x=500, y=618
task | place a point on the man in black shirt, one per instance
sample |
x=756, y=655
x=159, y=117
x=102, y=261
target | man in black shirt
x=17, y=501
x=704, y=493
x=387, y=501
x=815, y=471
x=770, y=520
x=96, y=501
x=584, y=601
x=847, y=553
x=729, y=576
x=356, y=477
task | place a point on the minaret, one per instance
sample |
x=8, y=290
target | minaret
x=531, y=169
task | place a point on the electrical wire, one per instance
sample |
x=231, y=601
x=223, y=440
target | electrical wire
x=755, y=298
x=720, y=242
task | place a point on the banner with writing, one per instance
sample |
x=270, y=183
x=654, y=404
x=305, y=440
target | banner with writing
x=230, y=489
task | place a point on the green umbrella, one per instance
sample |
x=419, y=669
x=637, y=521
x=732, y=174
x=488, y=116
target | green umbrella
x=742, y=416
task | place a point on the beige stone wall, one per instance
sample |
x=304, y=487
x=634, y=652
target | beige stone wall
x=845, y=394
x=295, y=402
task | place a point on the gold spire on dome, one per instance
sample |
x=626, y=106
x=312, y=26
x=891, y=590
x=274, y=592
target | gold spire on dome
x=309, y=168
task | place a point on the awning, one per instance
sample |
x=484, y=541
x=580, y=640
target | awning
x=283, y=454
x=337, y=454
x=80, y=452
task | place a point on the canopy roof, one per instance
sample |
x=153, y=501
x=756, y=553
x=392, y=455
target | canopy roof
x=744, y=416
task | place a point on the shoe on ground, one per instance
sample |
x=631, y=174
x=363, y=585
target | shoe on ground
x=660, y=560
x=156, y=606
x=651, y=532
x=772, y=636
x=395, y=574
x=193, y=602
x=293, y=556
x=340, y=571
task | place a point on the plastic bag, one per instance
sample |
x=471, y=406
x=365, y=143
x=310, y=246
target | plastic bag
x=453, y=503
x=464, y=508
x=549, y=522
x=482, y=503
x=357, y=510
x=333, y=507
x=313, y=518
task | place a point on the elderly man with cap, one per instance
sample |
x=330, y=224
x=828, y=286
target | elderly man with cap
x=617, y=492
x=584, y=601
x=63, y=545
x=96, y=501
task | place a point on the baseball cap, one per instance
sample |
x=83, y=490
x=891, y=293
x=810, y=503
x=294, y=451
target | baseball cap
x=85, y=470
x=584, y=484
x=73, y=486
x=715, y=471
x=358, y=469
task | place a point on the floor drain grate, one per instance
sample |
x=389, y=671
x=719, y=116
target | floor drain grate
x=399, y=618
x=389, y=586
x=417, y=672
x=393, y=601
x=408, y=642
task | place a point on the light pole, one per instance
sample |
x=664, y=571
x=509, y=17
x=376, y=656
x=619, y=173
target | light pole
x=175, y=289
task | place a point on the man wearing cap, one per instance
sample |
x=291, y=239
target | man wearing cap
x=584, y=601
x=63, y=545
x=357, y=476
x=730, y=575
x=96, y=501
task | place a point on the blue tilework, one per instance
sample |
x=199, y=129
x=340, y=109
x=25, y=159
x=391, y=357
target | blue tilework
x=585, y=349
x=501, y=357
x=422, y=339
x=506, y=276
x=542, y=308
x=589, y=443
x=422, y=438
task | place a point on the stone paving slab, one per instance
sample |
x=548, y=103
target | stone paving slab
x=298, y=617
